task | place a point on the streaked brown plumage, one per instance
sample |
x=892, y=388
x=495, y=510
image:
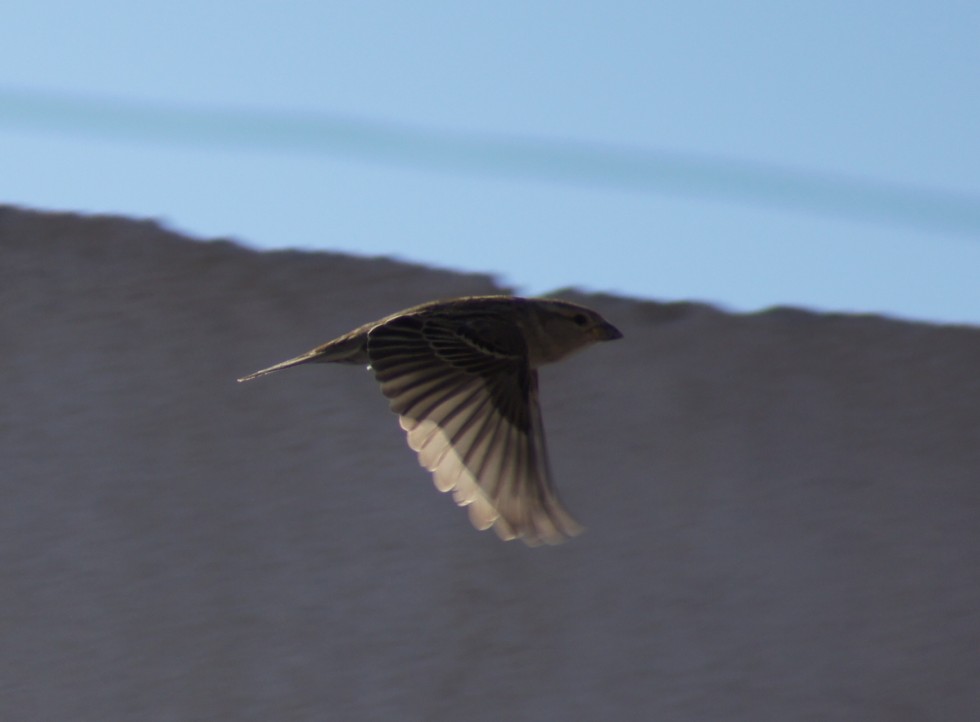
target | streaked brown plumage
x=462, y=376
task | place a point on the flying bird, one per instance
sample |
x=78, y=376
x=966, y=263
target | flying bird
x=462, y=375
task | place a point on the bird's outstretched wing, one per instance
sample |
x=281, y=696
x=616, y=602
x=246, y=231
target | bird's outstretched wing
x=469, y=403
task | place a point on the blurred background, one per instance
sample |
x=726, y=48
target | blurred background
x=745, y=154
x=781, y=507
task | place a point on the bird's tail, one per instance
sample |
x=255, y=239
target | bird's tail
x=348, y=349
x=305, y=358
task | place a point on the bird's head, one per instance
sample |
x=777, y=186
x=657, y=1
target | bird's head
x=561, y=328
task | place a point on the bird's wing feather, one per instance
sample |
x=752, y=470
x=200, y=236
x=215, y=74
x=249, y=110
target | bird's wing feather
x=469, y=403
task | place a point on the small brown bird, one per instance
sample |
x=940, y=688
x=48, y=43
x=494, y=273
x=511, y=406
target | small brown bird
x=462, y=376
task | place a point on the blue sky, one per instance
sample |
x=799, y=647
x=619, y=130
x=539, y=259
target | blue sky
x=865, y=97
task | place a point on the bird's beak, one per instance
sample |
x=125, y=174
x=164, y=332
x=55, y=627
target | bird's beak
x=607, y=332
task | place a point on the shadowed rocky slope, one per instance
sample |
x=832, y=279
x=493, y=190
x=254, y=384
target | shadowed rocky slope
x=782, y=509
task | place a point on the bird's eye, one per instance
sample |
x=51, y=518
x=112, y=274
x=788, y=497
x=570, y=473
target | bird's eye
x=580, y=319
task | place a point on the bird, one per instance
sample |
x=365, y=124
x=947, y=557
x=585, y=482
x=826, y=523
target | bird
x=462, y=375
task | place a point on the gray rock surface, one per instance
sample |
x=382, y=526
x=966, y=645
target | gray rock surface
x=782, y=509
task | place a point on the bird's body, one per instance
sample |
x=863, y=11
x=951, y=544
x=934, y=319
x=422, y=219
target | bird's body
x=462, y=376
